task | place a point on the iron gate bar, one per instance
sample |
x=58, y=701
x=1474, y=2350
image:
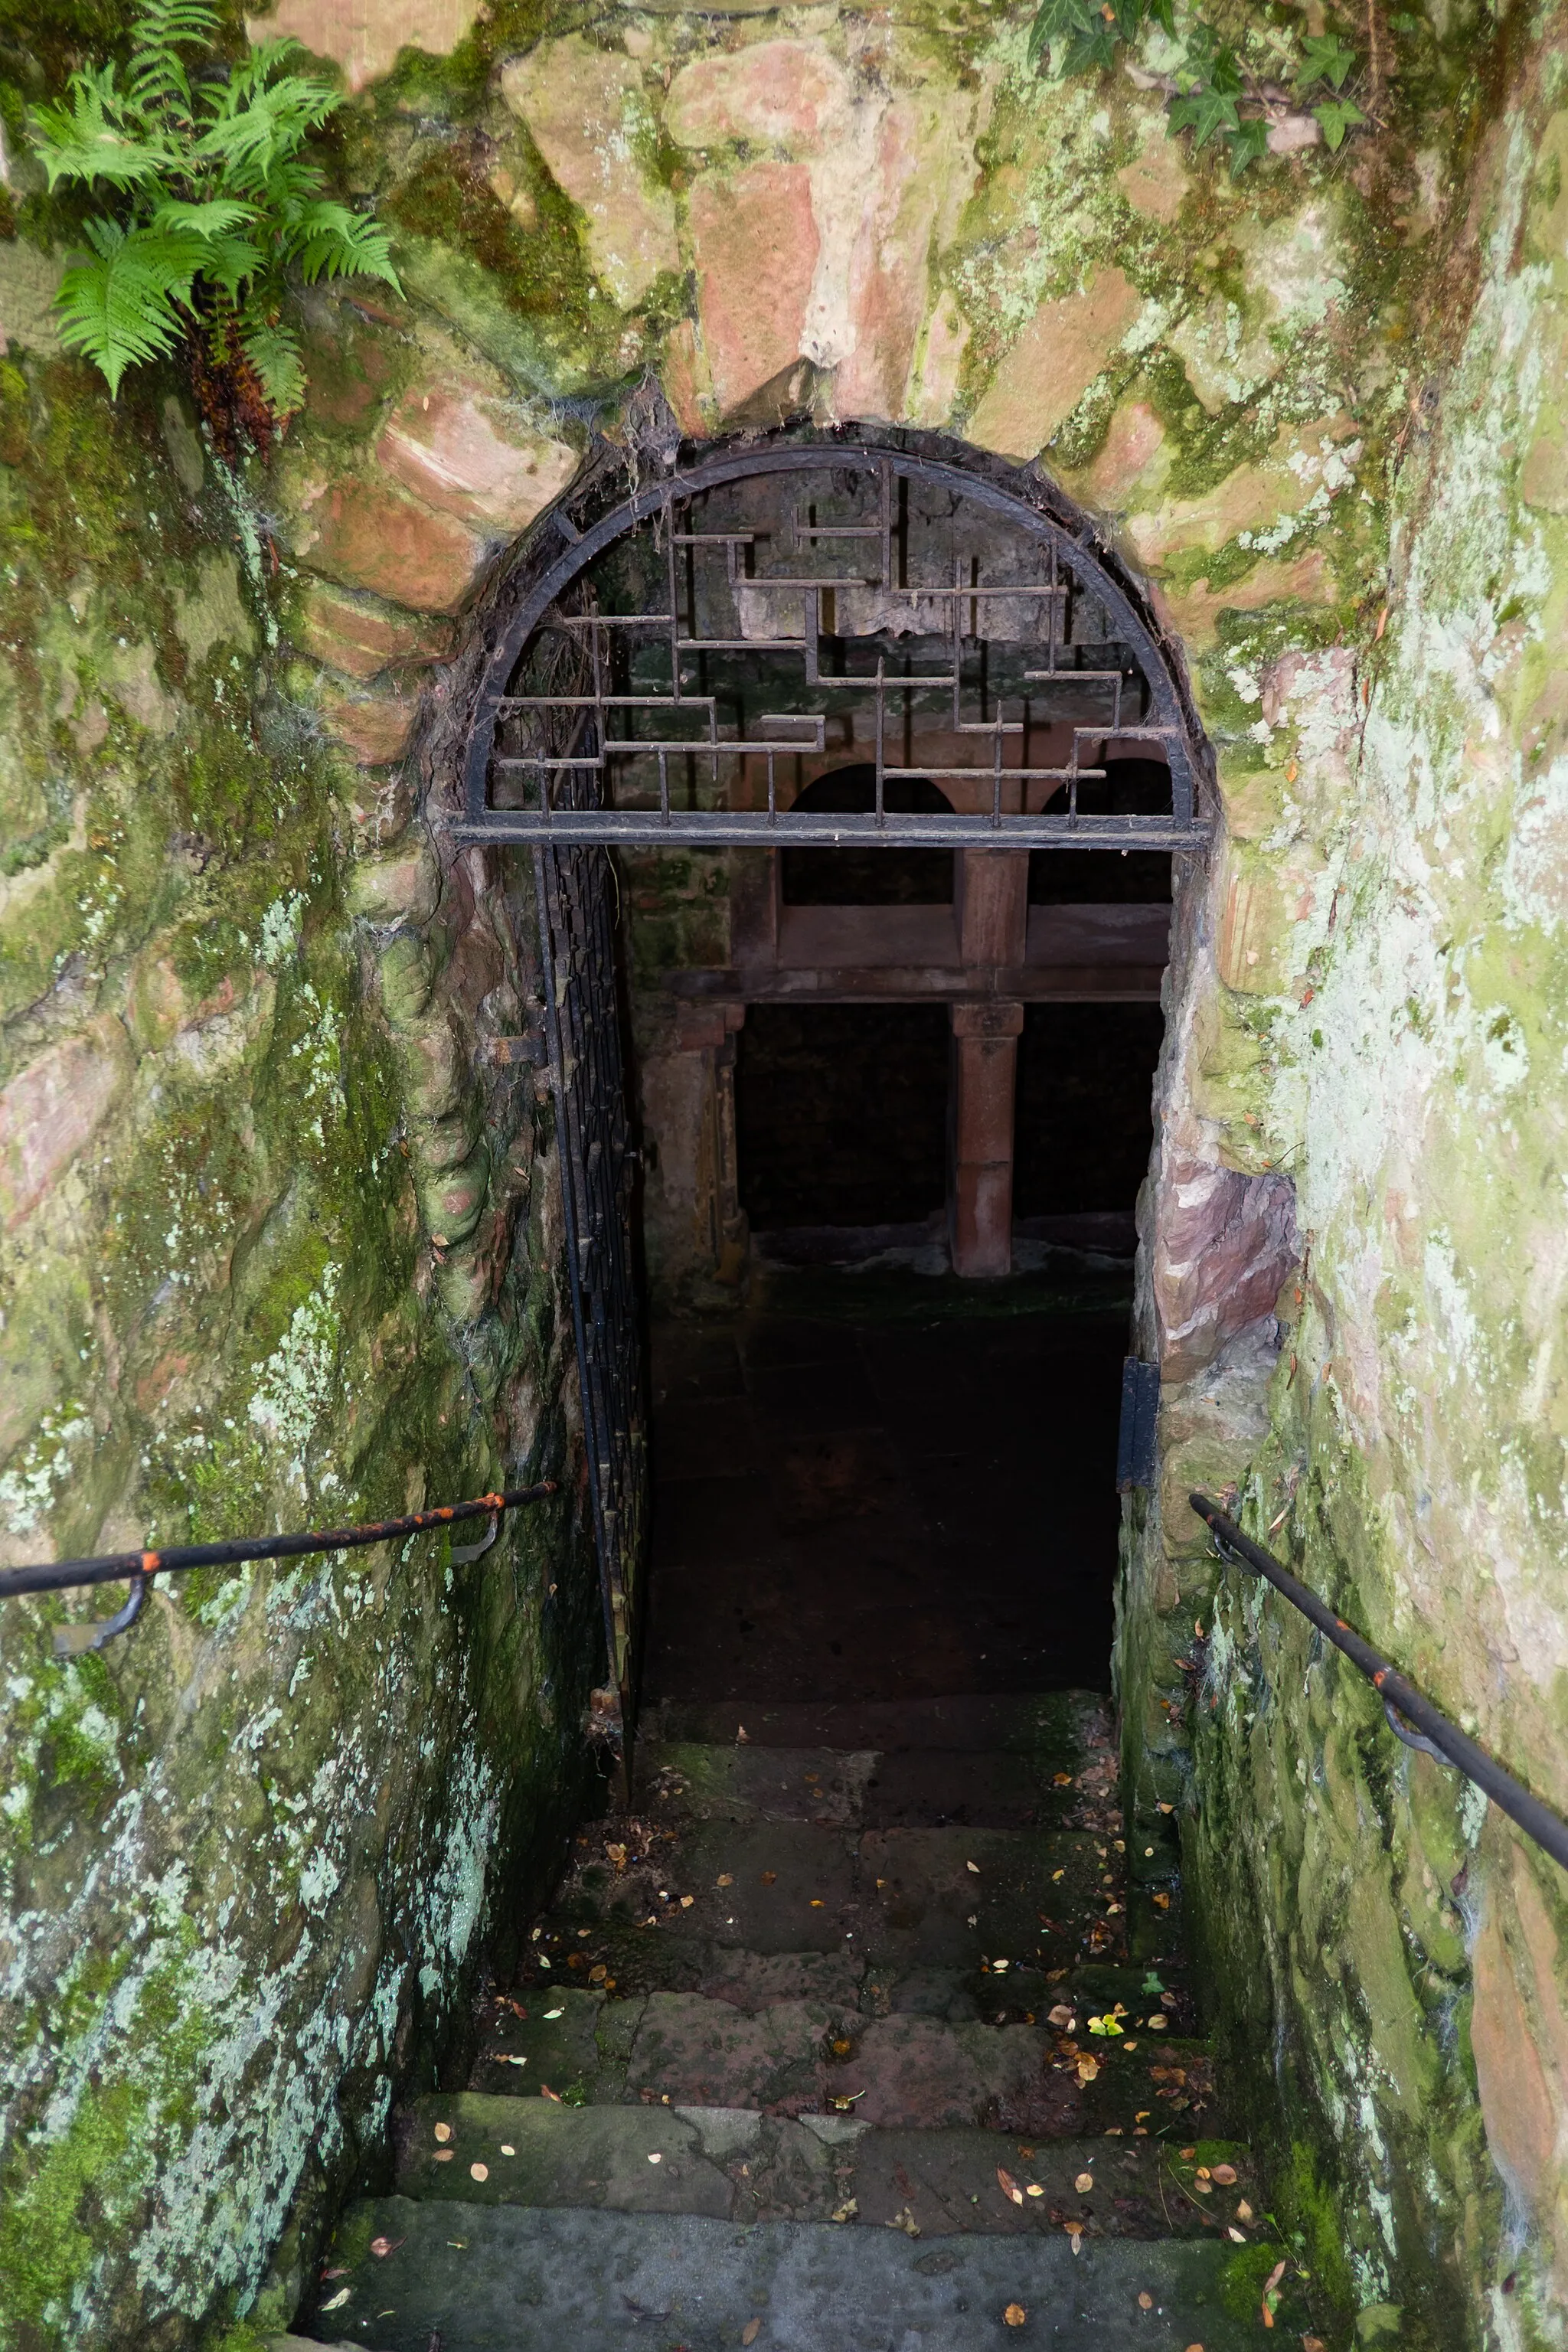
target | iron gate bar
x=480, y=823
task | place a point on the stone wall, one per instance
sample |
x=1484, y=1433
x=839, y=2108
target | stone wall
x=1374, y=1001
x=280, y=1249
x=282, y=1233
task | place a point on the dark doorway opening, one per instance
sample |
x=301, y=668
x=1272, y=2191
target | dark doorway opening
x=867, y=877
x=841, y=1112
x=1085, y=1119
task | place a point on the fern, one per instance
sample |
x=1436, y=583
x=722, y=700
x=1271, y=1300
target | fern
x=218, y=205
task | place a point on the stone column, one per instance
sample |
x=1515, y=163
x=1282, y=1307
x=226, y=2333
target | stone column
x=984, y=1072
x=709, y=1029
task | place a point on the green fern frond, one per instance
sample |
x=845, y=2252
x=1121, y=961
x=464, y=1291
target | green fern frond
x=273, y=350
x=330, y=241
x=91, y=139
x=130, y=302
x=157, y=81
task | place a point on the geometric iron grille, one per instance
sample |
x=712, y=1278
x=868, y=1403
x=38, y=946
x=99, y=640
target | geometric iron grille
x=688, y=665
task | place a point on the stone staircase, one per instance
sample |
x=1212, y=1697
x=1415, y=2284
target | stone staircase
x=806, y=2057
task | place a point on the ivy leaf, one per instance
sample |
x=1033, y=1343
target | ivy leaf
x=1248, y=142
x=1092, y=45
x=1337, y=115
x=1055, y=21
x=1324, y=58
x=1204, y=111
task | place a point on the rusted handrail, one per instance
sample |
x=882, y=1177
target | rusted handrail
x=1432, y=1731
x=138, y=1568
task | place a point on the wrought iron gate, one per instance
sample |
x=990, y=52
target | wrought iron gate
x=575, y=887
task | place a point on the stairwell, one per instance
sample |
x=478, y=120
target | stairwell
x=863, y=2029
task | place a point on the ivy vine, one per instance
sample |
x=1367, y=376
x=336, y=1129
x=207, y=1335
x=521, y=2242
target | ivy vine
x=1212, y=91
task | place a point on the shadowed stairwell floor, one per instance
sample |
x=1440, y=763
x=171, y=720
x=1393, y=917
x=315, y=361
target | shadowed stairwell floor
x=810, y=2053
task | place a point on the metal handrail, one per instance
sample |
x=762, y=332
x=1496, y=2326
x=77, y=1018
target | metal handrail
x=1432, y=1731
x=138, y=1568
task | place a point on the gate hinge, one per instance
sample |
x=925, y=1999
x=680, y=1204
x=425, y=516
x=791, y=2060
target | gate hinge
x=1137, y=1452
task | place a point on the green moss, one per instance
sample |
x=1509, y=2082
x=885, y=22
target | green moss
x=568, y=335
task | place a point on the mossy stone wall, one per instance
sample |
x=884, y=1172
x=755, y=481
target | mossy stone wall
x=281, y=1223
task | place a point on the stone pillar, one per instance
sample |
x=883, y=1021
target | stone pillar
x=709, y=1029
x=984, y=1072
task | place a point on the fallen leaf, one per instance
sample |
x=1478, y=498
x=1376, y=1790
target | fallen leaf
x=617, y=1855
x=1186, y=2154
x=336, y=2302
x=1238, y=2237
x=1145, y=2301
x=656, y=2156
x=507, y=2148
x=1225, y=2174
x=479, y=2172
x=848, y=2210
x=1162, y=1902
x=1062, y=2017
x=1084, y=2183
x=751, y=2330
x=1314, y=2343
x=686, y=1901
x=1015, y=2316
x=444, y=2154
x=1088, y=2068
x=1061, y=1779
x=384, y=2246
x=1034, y=2190
x=598, y=1975
x=1204, y=2188
x=1075, y=2236
x=1008, y=2186
x=770, y=1878
x=741, y=1733
x=443, y=2133
x=553, y=2012
x=1056, y=1875
x=546, y=2093
x=1157, y=2024
x=342, y=2272
x=1244, y=2211
x=725, y=1878
x=974, y=1866
x=817, y=1903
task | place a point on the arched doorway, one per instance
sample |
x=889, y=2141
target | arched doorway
x=884, y=650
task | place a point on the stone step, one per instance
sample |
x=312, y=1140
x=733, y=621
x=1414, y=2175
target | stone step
x=907, y=1788
x=1066, y=1730
x=733, y=2164
x=900, y=1897
x=506, y=2278
x=903, y=2068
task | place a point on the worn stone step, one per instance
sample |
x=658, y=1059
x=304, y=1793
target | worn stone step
x=1069, y=1729
x=904, y=2068
x=507, y=2278
x=904, y=1897
x=735, y=2164
x=871, y=1789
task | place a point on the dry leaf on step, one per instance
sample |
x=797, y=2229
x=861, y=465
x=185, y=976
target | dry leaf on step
x=724, y=1879
x=1064, y=2017
x=443, y=2133
x=751, y=2330
x=1225, y=2174
x=1008, y=2186
x=1145, y=2301
x=770, y=1878
x=848, y=2210
x=336, y=2302
x=1088, y=2068
x=384, y=2246
x=1084, y=2183
x=1015, y=2316
x=479, y=2172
